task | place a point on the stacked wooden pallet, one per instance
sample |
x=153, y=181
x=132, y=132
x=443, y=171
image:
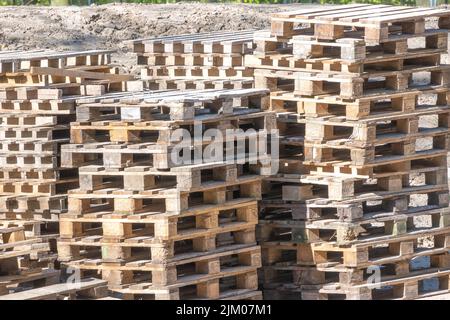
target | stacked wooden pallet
x=155, y=226
x=25, y=262
x=38, y=90
x=195, y=61
x=359, y=209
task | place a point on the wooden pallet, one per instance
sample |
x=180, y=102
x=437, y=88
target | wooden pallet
x=29, y=146
x=366, y=132
x=168, y=200
x=24, y=120
x=410, y=287
x=173, y=271
x=16, y=245
x=304, y=277
x=41, y=95
x=12, y=205
x=374, y=23
x=192, y=72
x=39, y=187
x=93, y=79
x=27, y=280
x=375, y=105
x=159, y=132
x=217, y=42
x=184, y=178
x=317, y=153
x=158, y=225
x=406, y=288
x=183, y=105
x=48, y=219
x=383, y=164
x=348, y=51
x=377, y=63
x=233, y=283
x=359, y=157
x=308, y=208
x=44, y=133
x=84, y=290
x=17, y=61
x=63, y=106
x=120, y=155
x=362, y=252
x=30, y=228
x=24, y=261
x=47, y=231
x=152, y=83
x=191, y=59
x=313, y=84
x=332, y=229
x=394, y=257
x=12, y=160
x=352, y=188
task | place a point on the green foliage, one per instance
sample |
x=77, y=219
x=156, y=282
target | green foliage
x=86, y=2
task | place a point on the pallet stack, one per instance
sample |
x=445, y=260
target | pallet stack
x=195, y=61
x=24, y=262
x=155, y=227
x=38, y=90
x=360, y=206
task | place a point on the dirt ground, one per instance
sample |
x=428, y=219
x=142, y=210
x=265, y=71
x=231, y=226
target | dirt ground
x=107, y=26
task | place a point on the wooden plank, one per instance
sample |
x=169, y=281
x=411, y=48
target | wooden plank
x=80, y=74
x=15, y=56
x=334, y=15
x=375, y=11
x=52, y=291
x=289, y=14
x=418, y=13
x=220, y=36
